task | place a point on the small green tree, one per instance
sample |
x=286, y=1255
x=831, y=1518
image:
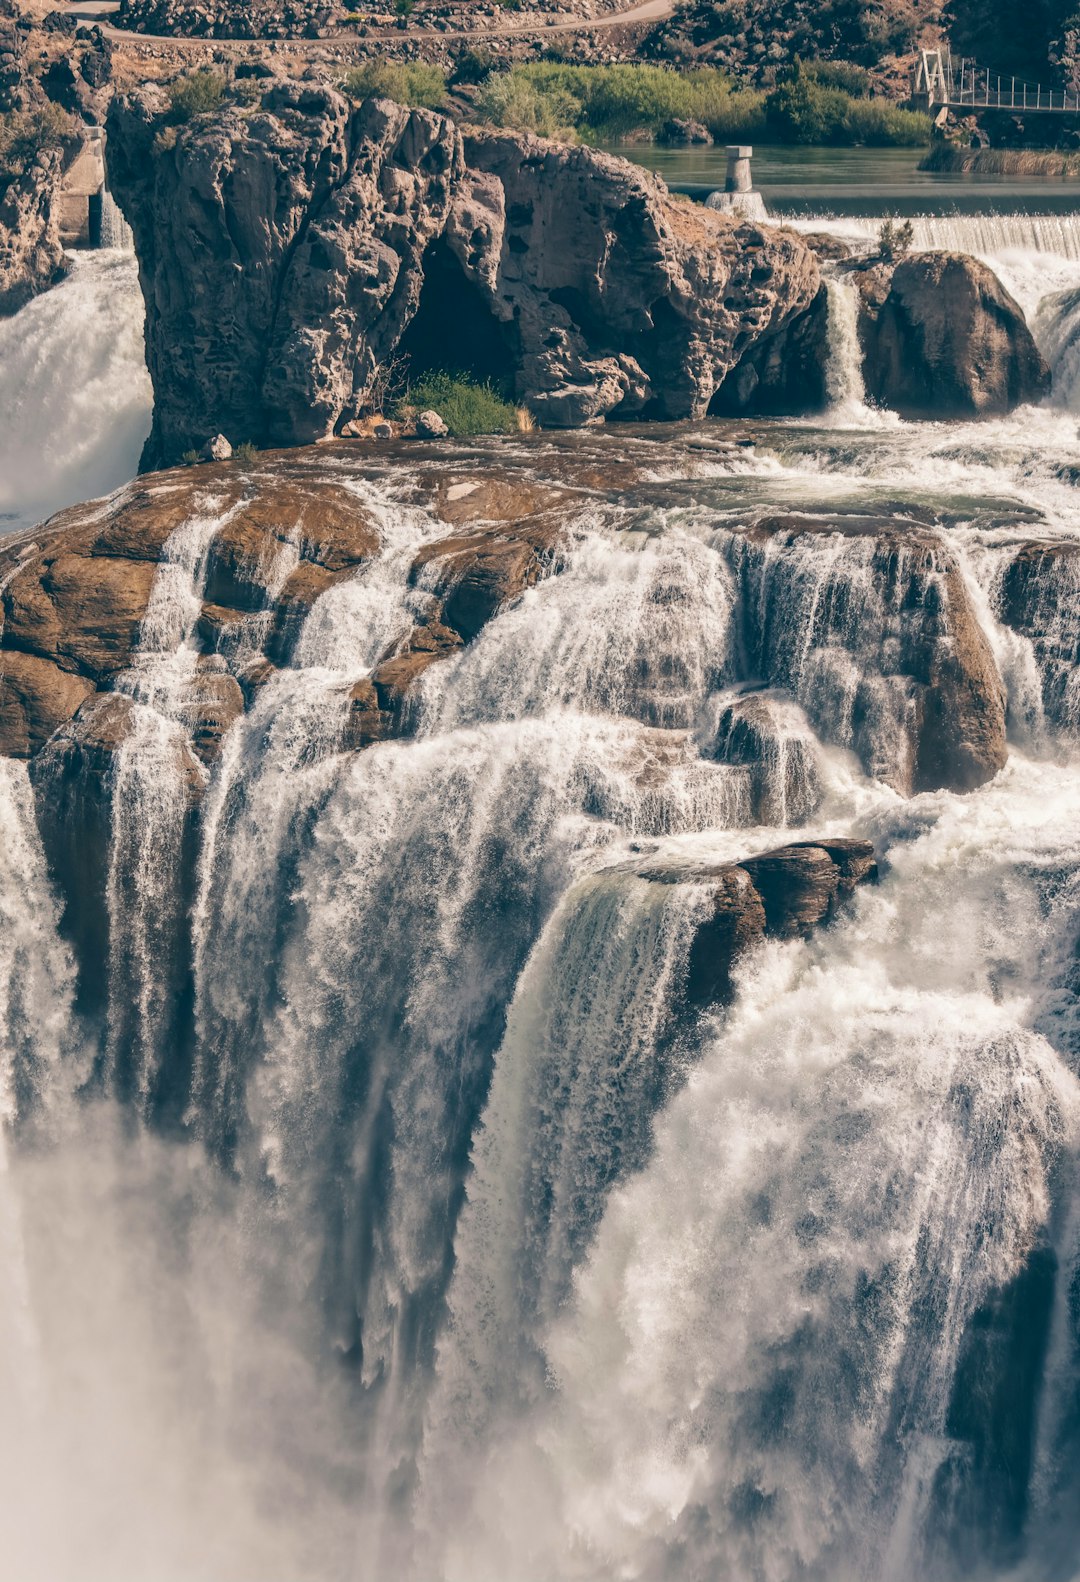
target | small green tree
x=895, y=238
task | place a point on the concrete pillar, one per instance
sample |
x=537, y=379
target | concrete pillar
x=739, y=178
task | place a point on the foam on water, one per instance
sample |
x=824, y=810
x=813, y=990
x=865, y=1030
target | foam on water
x=75, y=396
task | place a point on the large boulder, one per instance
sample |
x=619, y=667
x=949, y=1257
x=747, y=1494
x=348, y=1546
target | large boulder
x=948, y=341
x=290, y=254
x=622, y=297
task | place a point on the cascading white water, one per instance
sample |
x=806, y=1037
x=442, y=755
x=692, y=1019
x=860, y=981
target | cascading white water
x=470, y=1253
x=75, y=396
x=116, y=233
x=1037, y=258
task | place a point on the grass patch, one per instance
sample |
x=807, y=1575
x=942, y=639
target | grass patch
x=420, y=86
x=947, y=157
x=465, y=406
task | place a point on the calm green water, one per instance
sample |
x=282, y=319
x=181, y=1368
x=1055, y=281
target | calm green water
x=857, y=181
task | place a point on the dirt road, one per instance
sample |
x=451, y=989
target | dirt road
x=644, y=11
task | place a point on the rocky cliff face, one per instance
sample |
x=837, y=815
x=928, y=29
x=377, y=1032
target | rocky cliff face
x=50, y=83
x=289, y=253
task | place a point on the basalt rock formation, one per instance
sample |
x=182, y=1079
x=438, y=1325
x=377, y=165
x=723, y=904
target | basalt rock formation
x=880, y=645
x=946, y=340
x=289, y=253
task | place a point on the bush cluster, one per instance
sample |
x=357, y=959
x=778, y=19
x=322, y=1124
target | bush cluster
x=25, y=134
x=825, y=103
x=603, y=102
x=807, y=108
x=420, y=86
x=199, y=93
x=465, y=406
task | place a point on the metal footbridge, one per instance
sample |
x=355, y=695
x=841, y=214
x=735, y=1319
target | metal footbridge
x=944, y=81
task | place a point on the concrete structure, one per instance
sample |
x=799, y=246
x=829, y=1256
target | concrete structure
x=738, y=194
x=83, y=194
x=739, y=178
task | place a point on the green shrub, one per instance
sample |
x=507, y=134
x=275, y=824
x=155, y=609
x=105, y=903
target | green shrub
x=245, y=451
x=403, y=7
x=605, y=102
x=843, y=74
x=509, y=98
x=26, y=134
x=895, y=237
x=197, y=94
x=812, y=104
x=190, y=458
x=418, y=85
x=802, y=109
x=473, y=66
x=465, y=406
x=879, y=123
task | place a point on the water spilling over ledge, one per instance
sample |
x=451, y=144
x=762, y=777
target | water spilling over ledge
x=453, y=1047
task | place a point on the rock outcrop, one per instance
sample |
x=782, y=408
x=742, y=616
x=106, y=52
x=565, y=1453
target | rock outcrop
x=280, y=255
x=289, y=252
x=947, y=341
x=75, y=597
x=50, y=83
x=780, y=894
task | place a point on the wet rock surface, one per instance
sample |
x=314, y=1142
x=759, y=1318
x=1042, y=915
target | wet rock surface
x=780, y=894
x=855, y=631
x=880, y=644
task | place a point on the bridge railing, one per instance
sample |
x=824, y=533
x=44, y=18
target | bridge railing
x=959, y=83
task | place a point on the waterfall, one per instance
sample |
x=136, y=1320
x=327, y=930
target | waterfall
x=75, y=396
x=115, y=231
x=377, y=1198
x=843, y=374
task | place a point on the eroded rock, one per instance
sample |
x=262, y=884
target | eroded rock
x=572, y=275
x=782, y=894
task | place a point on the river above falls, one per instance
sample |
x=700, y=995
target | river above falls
x=856, y=181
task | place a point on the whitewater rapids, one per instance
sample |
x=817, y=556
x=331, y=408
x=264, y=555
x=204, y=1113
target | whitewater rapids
x=556, y=1283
